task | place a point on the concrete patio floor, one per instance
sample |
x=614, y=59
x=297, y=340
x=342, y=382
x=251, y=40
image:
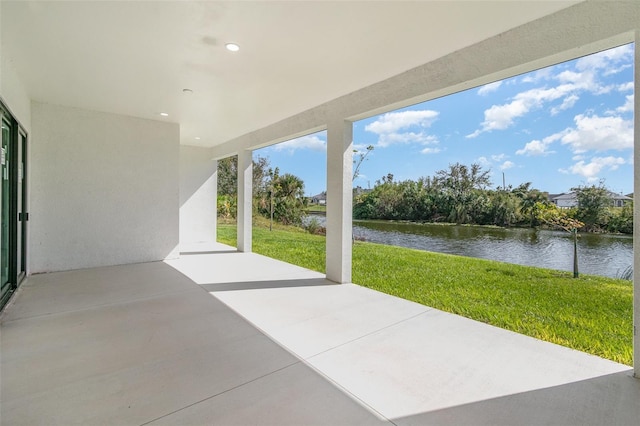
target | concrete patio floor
x=221, y=337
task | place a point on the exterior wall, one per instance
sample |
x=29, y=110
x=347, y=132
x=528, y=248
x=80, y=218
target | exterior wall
x=14, y=94
x=104, y=189
x=198, y=191
x=566, y=202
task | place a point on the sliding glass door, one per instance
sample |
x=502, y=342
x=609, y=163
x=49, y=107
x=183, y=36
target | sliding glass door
x=13, y=212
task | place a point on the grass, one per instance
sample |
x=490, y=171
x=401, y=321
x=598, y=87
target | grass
x=317, y=208
x=592, y=314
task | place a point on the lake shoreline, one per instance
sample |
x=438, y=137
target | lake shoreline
x=473, y=225
x=601, y=254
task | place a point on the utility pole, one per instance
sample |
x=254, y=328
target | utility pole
x=575, y=252
x=271, y=210
x=504, y=186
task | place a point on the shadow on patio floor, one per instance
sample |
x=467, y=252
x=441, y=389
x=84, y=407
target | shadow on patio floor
x=610, y=399
x=253, y=285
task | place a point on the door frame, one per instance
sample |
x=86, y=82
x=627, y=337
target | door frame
x=18, y=140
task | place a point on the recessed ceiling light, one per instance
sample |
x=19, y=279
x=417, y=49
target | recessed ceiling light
x=164, y=114
x=232, y=47
x=187, y=91
x=197, y=138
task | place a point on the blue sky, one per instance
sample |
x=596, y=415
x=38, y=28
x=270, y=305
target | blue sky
x=559, y=127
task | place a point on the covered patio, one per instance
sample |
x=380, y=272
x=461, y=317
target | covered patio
x=264, y=342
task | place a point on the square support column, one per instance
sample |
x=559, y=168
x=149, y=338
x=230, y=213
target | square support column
x=198, y=194
x=636, y=210
x=245, y=200
x=214, y=195
x=339, y=200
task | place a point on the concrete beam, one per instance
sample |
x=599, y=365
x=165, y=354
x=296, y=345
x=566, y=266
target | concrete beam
x=245, y=198
x=585, y=28
x=339, y=200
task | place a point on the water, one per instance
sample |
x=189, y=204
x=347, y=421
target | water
x=598, y=254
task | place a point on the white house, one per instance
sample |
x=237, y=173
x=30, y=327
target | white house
x=569, y=199
x=321, y=198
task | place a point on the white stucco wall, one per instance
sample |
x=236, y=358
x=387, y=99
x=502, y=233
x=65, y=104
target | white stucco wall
x=198, y=189
x=14, y=94
x=567, y=203
x=104, y=189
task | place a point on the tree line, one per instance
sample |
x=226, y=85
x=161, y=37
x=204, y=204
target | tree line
x=463, y=194
x=279, y=197
x=458, y=194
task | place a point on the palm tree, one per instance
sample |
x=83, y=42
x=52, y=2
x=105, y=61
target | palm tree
x=287, y=200
x=529, y=202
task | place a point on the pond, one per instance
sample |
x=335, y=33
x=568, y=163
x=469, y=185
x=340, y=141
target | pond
x=598, y=254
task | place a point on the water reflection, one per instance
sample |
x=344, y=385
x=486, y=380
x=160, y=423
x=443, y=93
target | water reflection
x=599, y=254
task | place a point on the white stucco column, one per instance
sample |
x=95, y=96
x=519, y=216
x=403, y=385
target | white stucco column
x=636, y=211
x=214, y=195
x=198, y=194
x=339, y=200
x=245, y=195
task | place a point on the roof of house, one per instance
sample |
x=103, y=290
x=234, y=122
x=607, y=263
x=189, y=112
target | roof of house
x=320, y=196
x=572, y=196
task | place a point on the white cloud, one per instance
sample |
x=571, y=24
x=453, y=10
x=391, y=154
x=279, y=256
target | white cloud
x=540, y=147
x=311, y=142
x=625, y=87
x=534, y=148
x=585, y=80
x=488, y=88
x=393, y=121
x=431, y=150
x=500, y=117
x=571, y=82
x=474, y=134
x=494, y=160
x=599, y=134
x=607, y=59
x=591, y=170
x=542, y=74
x=507, y=165
x=483, y=161
x=567, y=103
x=617, y=70
x=404, y=127
x=387, y=139
x=628, y=105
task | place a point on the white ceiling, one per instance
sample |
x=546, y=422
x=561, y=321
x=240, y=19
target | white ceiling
x=135, y=58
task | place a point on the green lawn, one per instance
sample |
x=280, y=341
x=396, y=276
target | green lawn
x=316, y=208
x=592, y=314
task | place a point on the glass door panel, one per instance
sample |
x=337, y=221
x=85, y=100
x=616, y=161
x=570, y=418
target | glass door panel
x=5, y=281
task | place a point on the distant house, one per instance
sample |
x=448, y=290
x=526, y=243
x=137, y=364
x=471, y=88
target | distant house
x=321, y=198
x=569, y=199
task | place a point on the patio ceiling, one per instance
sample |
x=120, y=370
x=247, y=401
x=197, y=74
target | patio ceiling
x=135, y=58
